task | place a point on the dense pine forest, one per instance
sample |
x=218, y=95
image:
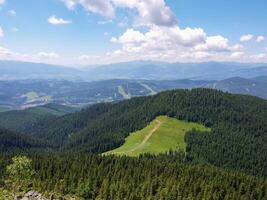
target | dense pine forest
x=167, y=176
x=227, y=163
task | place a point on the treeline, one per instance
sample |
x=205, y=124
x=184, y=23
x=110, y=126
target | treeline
x=13, y=142
x=163, y=177
x=239, y=126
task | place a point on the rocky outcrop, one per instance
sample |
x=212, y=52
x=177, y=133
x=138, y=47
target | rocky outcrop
x=32, y=195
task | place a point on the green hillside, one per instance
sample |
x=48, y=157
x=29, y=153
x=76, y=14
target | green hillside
x=161, y=135
x=238, y=124
x=25, y=120
x=53, y=109
x=4, y=109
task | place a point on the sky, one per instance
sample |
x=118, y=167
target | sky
x=84, y=32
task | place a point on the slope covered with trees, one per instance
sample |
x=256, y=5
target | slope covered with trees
x=11, y=142
x=24, y=120
x=166, y=177
x=238, y=123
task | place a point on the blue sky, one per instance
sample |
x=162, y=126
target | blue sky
x=104, y=31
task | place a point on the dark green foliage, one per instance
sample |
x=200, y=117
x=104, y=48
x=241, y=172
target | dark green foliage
x=239, y=126
x=25, y=120
x=166, y=176
x=17, y=142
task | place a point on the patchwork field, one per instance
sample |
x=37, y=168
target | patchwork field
x=161, y=135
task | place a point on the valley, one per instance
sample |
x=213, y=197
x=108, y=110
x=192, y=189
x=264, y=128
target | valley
x=31, y=93
x=99, y=153
x=133, y=100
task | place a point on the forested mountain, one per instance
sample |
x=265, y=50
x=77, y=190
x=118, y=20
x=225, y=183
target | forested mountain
x=17, y=70
x=17, y=142
x=238, y=124
x=166, y=177
x=24, y=120
x=30, y=93
x=61, y=149
x=256, y=86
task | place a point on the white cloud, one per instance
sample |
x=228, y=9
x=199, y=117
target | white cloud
x=12, y=13
x=215, y=43
x=150, y=12
x=172, y=43
x=5, y=52
x=102, y=7
x=1, y=32
x=2, y=2
x=260, y=56
x=84, y=57
x=237, y=54
x=246, y=38
x=260, y=39
x=88, y=57
x=57, y=21
x=47, y=55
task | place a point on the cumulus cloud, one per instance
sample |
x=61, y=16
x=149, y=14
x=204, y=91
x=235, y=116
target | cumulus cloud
x=172, y=43
x=258, y=57
x=260, y=39
x=12, y=13
x=237, y=54
x=57, y=21
x=47, y=55
x=2, y=2
x=5, y=52
x=246, y=38
x=1, y=32
x=102, y=7
x=150, y=12
x=215, y=43
x=89, y=57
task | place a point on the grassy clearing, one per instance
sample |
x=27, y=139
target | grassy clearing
x=161, y=135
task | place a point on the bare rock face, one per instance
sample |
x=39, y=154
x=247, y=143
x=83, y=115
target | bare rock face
x=33, y=195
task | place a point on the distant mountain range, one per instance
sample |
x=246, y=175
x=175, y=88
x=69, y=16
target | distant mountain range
x=31, y=93
x=149, y=70
x=255, y=86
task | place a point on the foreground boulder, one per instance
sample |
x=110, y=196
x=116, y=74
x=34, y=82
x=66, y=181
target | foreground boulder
x=33, y=195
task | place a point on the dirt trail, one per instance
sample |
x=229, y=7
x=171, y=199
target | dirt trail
x=156, y=127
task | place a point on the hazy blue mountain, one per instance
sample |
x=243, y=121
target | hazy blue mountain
x=16, y=70
x=149, y=70
x=260, y=79
x=31, y=93
x=166, y=71
x=254, y=87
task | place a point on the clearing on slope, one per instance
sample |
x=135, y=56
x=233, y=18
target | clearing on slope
x=161, y=135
